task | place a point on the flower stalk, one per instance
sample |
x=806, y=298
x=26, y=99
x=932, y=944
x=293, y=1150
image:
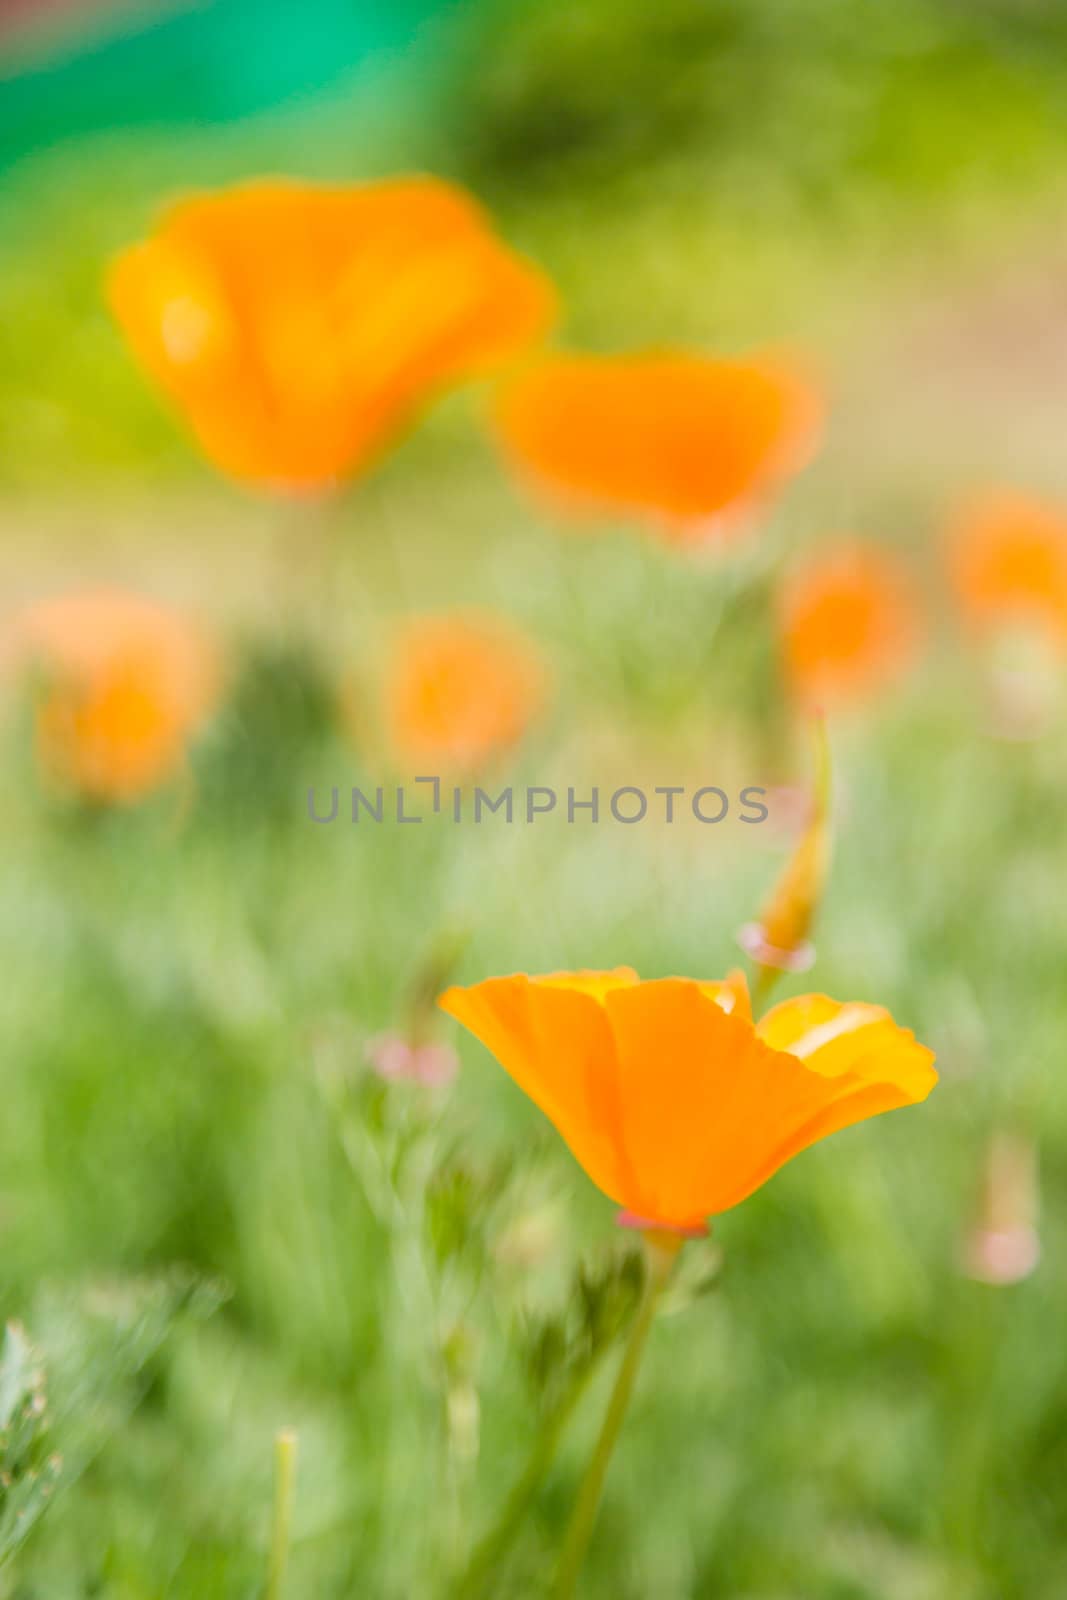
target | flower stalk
x=779, y=940
x=661, y=1249
x=494, y=1547
x=282, y=1518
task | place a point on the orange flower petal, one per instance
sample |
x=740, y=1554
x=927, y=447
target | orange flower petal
x=731, y=994
x=849, y=625
x=676, y=437
x=597, y=984
x=676, y=1107
x=461, y=689
x=869, y=1064
x=553, y=1038
x=125, y=683
x=300, y=326
x=181, y=324
x=1007, y=560
x=690, y=1078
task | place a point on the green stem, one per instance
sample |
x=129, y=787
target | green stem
x=282, y=1519
x=498, y=1541
x=763, y=982
x=661, y=1250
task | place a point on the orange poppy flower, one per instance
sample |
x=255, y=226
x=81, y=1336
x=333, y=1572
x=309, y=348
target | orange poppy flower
x=299, y=327
x=461, y=689
x=849, y=625
x=675, y=439
x=1007, y=561
x=677, y=1105
x=124, y=684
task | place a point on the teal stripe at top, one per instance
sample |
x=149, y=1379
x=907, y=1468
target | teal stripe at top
x=206, y=64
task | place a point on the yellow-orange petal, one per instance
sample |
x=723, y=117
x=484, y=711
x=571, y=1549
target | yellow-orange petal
x=554, y=1040
x=731, y=994
x=676, y=437
x=868, y=1063
x=849, y=623
x=300, y=326
x=834, y=1036
x=596, y=984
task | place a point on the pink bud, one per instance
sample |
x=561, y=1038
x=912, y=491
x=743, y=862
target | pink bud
x=394, y=1057
x=1003, y=1245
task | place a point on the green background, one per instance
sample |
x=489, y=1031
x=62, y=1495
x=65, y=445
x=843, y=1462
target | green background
x=842, y=1414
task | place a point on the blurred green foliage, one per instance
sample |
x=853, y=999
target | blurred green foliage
x=843, y=1413
x=809, y=101
x=27, y=1472
x=736, y=155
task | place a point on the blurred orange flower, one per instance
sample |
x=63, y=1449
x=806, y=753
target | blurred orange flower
x=124, y=684
x=462, y=688
x=1007, y=562
x=849, y=622
x=676, y=439
x=676, y=1104
x=299, y=326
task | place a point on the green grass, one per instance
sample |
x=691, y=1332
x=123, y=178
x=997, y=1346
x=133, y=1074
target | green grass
x=841, y=1414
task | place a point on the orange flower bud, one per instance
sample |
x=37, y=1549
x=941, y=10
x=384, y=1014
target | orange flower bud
x=779, y=940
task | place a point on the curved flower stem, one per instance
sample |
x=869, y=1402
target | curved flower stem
x=498, y=1541
x=281, y=1521
x=661, y=1249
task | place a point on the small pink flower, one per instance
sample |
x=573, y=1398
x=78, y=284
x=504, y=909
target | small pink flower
x=394, y=1057
x=1002, y=1256
x=1003, y=1245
